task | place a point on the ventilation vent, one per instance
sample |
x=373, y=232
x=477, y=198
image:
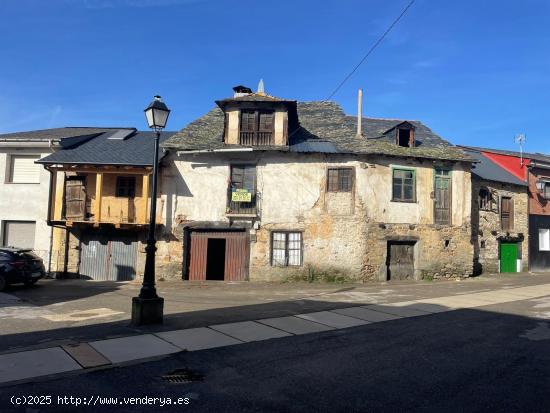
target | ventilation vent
x=181, y=376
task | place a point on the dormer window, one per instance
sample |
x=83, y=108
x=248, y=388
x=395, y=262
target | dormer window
x=256, y=127
x=404, y=135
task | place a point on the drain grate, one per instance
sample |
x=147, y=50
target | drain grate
x=181, y=376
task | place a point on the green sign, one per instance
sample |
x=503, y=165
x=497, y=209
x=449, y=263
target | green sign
x=241, y=195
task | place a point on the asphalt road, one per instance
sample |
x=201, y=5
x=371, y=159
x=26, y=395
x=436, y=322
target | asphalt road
x=489, y=359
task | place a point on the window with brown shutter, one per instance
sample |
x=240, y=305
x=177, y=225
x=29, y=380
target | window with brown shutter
x=339, y=179
x=506, y=213
x=256, y=127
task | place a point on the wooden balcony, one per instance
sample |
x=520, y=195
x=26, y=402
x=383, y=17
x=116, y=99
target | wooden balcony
x=256, y=138
x=80, y=196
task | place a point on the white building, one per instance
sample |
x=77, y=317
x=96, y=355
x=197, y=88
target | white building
x=24, y=185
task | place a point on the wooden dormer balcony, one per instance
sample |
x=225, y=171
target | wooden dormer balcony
x=256, y=138
x=99, y=196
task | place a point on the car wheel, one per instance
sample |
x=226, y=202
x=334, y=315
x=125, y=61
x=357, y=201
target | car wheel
x=30, y=282
x=3, y=283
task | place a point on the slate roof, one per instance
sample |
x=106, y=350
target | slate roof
x=488, y=170
x=54, y=133
x=136, y=150
x=324, y=127
x=537, y=156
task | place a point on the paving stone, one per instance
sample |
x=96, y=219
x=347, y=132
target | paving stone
x=35, y=363
x=249, y=331
x=401, y=311
x=333, y=319
x=118, y=350
x=295, y=325
x=197, y=338
x=86, y=355
x=425, y=307
x=364, y=313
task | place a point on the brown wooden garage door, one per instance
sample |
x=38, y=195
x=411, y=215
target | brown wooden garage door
x=219, y=256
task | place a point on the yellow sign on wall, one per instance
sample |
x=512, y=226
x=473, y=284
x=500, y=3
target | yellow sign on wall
x=241, y=195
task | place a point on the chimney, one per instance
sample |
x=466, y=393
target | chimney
x=359, y=112
x=241, y=91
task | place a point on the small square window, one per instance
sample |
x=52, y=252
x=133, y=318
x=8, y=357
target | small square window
x=339, y=179
x=286, y=249
x=126, y=186
x=403, y=185
x=544, y=239
x=23, y=169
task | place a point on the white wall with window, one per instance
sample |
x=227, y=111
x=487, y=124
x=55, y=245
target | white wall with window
x=24, y=189
x=544, y=239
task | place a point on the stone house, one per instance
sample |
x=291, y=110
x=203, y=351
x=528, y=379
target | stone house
x=263, y=188
x=534, y=170
x=500, y=217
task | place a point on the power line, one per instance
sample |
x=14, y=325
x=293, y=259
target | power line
x=371, y=49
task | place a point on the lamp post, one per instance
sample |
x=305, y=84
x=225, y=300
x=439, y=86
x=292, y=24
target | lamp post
x=147, y=308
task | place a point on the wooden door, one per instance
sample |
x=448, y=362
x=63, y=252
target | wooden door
x=236, y=257
x=442, y=204
x=197, y=263
x=508, y=256
x=75, y=198
x=506, y=214
x=400, y=260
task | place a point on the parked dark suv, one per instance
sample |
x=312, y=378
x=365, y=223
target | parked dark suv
x=18, y=266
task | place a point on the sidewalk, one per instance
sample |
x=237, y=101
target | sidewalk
x=64, y=312
x=86, y=356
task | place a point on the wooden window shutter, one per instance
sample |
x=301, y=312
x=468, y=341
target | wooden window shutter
x=266, y=122
x=506, y=213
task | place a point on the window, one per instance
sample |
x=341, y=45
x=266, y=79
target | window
x=18, y=234
x=256, y=127
x=286, y=249
x=403, y=188
x=126, y=186
x=404, y=137
x=506, y=213
x=23, y=170
x=485, y=200
x=544, y=239
x=339, y=179
x=242, y=189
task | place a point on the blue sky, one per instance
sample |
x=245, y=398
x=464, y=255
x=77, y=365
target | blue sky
x=476, y=72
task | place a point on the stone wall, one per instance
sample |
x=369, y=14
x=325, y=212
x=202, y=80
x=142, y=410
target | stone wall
x=486, y=225
x=344, y=232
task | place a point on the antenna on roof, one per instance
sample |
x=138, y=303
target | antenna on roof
x=520, y=139
x=261, y=90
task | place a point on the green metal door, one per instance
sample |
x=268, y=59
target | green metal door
x=508, y=256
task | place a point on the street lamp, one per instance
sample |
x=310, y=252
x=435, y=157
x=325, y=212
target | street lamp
x=147, y=308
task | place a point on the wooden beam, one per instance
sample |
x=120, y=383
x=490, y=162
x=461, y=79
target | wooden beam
x=98, y=196
x=145, y=197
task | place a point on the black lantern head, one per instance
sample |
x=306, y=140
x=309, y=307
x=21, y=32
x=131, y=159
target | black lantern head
x=157, y=114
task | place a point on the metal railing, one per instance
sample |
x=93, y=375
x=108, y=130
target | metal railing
x=240, y=208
